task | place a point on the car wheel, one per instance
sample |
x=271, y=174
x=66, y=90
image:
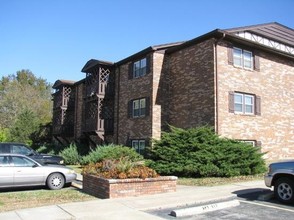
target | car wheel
x=284, y=190
x=55, y=181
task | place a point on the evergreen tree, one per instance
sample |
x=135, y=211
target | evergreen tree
x=199, y=152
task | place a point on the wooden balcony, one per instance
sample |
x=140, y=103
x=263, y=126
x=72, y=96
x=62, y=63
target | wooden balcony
x=99, y=91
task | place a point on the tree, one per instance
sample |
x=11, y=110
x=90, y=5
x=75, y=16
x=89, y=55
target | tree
x=3, y=135
x=24, y=95
x=26, y=124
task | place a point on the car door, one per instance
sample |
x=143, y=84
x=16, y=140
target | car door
x=27, y=172
x=6, y=172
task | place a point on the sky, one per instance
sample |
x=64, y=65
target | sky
x=55, y=38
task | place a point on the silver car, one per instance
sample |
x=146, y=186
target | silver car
x=19, y=170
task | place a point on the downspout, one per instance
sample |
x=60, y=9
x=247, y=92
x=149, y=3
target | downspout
x=216, y=82
x=117, y=104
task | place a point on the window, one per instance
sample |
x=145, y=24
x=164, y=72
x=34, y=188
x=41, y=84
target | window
x=20, y=149
x=22, y=162
x=138, y=107
x=139, y=68
x=139, y=146
x=243, y=58
x=251, y=143
x=242, y=103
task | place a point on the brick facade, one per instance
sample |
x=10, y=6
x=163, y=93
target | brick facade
x=127, y=128
x=274, y=83
x=191, y=92
x=189, y=85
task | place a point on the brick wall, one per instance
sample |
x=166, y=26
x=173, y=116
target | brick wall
x=274, y=83
x=126, y=90
x=191, y=86
x=157, y=114
x=117, y=188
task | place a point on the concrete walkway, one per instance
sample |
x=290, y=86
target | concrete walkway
x=133, y=207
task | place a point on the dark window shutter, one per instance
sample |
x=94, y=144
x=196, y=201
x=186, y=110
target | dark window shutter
x=131, y=65
x=257, y=105
x=129, y=142
x=256, y=63
x=147, y=112
x=231, y=102
x=148, y=63
x=147, y=143
x=230, y=55
x=258, y=144
x=130, y=109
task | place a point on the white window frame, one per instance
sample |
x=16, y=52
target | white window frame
x=139, y=108
x=242, y=58
x=244, y=104
x=139, y=145
x=252, y=143
x=140, y=68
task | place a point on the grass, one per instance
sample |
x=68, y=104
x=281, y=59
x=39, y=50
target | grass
x=76, y=168
x=13, y=200
x=215, y=181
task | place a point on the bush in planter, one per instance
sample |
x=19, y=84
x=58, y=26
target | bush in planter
x=122, y=168
x=113, y=152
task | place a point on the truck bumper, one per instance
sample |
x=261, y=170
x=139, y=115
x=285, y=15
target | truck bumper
x=268, y=180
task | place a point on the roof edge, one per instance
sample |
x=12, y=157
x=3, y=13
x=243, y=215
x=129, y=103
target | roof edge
x=148, y=50
x=215, y=33
x=60, y=82
x=93, y=62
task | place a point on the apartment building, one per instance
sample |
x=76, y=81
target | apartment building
x=240, y=81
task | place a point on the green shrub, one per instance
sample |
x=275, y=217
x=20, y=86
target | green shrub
x=113, y=152
x=47, y=149
x=199, y=152
x=71, y=155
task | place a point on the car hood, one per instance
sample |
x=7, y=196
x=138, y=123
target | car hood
x=50, y=156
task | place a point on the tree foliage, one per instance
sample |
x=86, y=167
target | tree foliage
x=26, y=123
x=24, y=97
x=199, y=152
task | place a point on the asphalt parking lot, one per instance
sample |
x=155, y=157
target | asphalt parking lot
x=251, y=206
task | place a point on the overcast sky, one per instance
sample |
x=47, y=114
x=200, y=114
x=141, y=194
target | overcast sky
x=55, y=38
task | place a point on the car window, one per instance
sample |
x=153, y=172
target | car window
x=20, y=149
x=4, y=148
x=22, y=162
x=4, y=162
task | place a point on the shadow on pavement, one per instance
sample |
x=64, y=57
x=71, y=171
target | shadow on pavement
x=252, y=194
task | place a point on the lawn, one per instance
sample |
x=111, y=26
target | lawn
x=215, y=181
x=12, y=200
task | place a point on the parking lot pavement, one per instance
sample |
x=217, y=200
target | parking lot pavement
x=251, y=206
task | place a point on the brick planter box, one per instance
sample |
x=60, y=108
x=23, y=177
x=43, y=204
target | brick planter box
x=117, y=188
